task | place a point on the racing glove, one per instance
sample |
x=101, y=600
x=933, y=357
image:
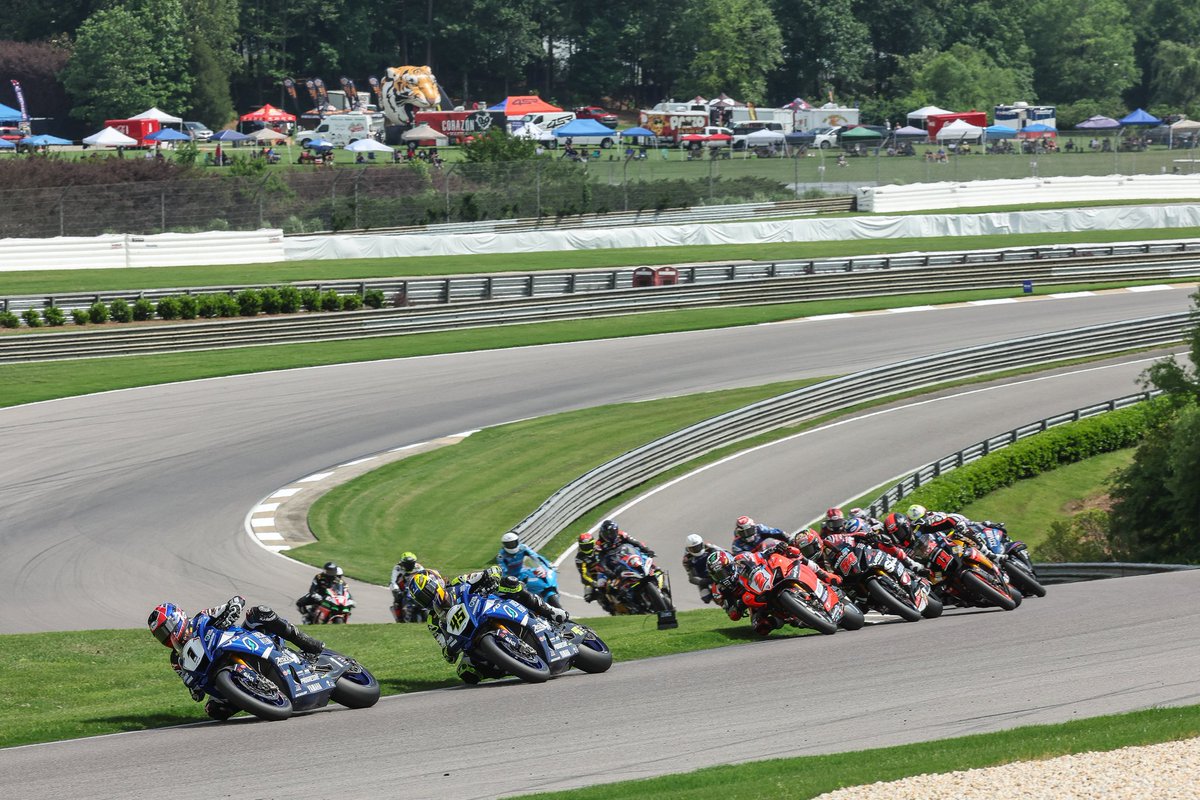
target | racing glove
x=559, y=615
x=197, y=694
x=589, y=594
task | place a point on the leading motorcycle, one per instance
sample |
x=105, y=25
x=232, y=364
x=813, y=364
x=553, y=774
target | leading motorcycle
x=1014, y=558
x=962, y=573
x=253, y=672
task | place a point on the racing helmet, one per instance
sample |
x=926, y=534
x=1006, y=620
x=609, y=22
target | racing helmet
x=720, y=565
x=428, y=591
x=897, y=526
x=808, y=542
x=169, y=624
x=835, y=520
x=858, y=512
x=408, y=561
x=695, y=544
x=510, y=542
x=743, y=527
x=856, y=526
x=608, y=530
x=331, y=570
x=587, y=544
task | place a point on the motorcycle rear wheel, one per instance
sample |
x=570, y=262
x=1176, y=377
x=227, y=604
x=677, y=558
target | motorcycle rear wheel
x=356, y=688
x=978, y=586
x=239, y=695
x=795, y=607
x=1023, y=580
x=496, y=654
x=891, y=603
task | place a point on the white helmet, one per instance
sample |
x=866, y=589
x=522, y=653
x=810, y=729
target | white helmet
x=510, y=542
x=694, y=543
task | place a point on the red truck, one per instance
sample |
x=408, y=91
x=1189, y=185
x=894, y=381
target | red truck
x=597, y=113
x=137, y=128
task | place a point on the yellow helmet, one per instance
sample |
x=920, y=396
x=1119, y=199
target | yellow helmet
x=428, y=591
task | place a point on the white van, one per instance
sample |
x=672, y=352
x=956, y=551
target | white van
x=342, y=129
x=549, y=120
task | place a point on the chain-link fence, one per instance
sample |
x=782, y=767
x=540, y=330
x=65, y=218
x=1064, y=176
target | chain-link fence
x=387, y=195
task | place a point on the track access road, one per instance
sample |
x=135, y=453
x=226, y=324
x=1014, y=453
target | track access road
x=111, y=503
x=1085, y=649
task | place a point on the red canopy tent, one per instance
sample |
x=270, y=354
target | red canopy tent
x=518, y=105
x=268, y=113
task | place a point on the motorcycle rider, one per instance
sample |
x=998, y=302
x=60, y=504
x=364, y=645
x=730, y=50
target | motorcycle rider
x=947, y=524
x=748, y=535
x=834, y=522
x=695, y=563
x=429, y=592
x=609, y=539
x=875, y=525
x=588, y=565
x=170, y=625
x=405, y=568
x=322, y=583
x=512, y=554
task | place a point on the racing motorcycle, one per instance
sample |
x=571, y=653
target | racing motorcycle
x=962, y=573
x=1013, y=557
x=876, y=580
x=334, y=608
x=503, y=638
x=637, y=586
x=791, y=590
x=253, y=672
x=542, y=580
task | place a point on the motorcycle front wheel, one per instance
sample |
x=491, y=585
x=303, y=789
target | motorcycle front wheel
x=891, y=602
x=594, y=655
x=793, y=606
x=980, y=587
x=653, y=598
x=1023, y=580
x=499, y=654
x=356, y=687
x=253, y=693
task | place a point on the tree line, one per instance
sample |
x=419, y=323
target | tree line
x=88, y=60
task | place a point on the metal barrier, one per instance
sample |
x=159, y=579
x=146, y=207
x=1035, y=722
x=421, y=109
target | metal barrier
x=636, y=466
x=923, y=475
x=1073, y=572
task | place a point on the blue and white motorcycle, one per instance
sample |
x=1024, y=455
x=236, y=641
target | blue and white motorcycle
x=502, y=637
x=253, y=672
x=542, y=580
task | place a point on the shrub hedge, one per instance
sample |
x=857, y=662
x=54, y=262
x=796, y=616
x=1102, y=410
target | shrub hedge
x=1065, y=444
x=32, y=318
x=119, y=311
x=54, y=317
x=9, y=320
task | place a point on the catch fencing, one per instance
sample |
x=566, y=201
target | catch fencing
x=640, y=464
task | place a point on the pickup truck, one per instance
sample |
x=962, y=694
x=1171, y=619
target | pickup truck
x=709, y=136
x=597, y=113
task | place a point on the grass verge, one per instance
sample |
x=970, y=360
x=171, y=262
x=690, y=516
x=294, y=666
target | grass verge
x=810, y=776
x=92, y=280
x=85, y=683
x=27, y=383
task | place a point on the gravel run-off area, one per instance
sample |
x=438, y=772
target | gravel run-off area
x=1168, y=771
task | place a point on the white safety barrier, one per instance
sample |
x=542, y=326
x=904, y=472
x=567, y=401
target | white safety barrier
x=794, y=230
x=973, y=194
x=127, y=250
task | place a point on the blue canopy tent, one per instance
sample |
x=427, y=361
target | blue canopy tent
x=1139, y=117
x=168, y=135
x=45, y=140
x=583, y=127
x=229, y=136
x=638, y=131
x=5, y=144
x=9, y=114
x=999, y=132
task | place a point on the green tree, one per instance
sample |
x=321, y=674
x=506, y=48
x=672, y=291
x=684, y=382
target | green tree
x=498, y=146
x=738, y=45
x=1176, y=76
x=212, y=33
x=961, y=78
x=1083, y=49
x=825, y=49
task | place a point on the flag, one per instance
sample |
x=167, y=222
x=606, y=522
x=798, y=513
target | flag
x=21, y=100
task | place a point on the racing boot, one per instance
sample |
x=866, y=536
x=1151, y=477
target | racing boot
x=264, y=618
x=311, y=646
x=467, y=672
x=219, y=710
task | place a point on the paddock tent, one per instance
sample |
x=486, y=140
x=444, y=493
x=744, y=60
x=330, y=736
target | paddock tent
x=110, y=137
x=268, y=113
x=959, y=130
x=162, y=117
x=520, y=105
x=917, y=118
x=8, y=114
x=583, y=127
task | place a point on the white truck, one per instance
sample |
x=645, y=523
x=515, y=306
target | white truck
x=342, y=129
x=829, y=115
x=672, y=121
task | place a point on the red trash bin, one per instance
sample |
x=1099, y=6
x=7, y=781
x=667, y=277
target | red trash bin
x=667, y=276
x=645, y=276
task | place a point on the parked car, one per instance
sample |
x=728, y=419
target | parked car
x=198, y=131
x=597, y=113
x=826, y=137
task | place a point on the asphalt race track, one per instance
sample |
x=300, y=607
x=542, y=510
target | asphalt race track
x=111, y=503
x=1085, y=649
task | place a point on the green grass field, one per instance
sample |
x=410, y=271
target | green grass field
x=810, y=776
x=93, y=280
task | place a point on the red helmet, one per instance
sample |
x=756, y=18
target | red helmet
x=808, y=542
x=169, y=624
x=898, y=527
x=743, y=528
x=587, y=543
x=835, y=520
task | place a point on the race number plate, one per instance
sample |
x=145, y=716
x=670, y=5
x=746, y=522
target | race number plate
x=192, y=655
x=457, y=619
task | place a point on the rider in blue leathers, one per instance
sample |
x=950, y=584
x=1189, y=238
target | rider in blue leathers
x=748, y=535
x=512, y=555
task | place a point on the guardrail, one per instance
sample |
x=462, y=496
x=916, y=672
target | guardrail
x=636, y=466
x=928, y=472
x=1072, y=572
x=1069, y=262
x=457, y=315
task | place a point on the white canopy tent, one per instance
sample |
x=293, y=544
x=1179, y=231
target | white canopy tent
x=764, y=137
x=919, y=117
x=959, y=130
x=110, y=137
x=160, y=115
x=267, y=135
x=368, y=146
x=422, y=133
